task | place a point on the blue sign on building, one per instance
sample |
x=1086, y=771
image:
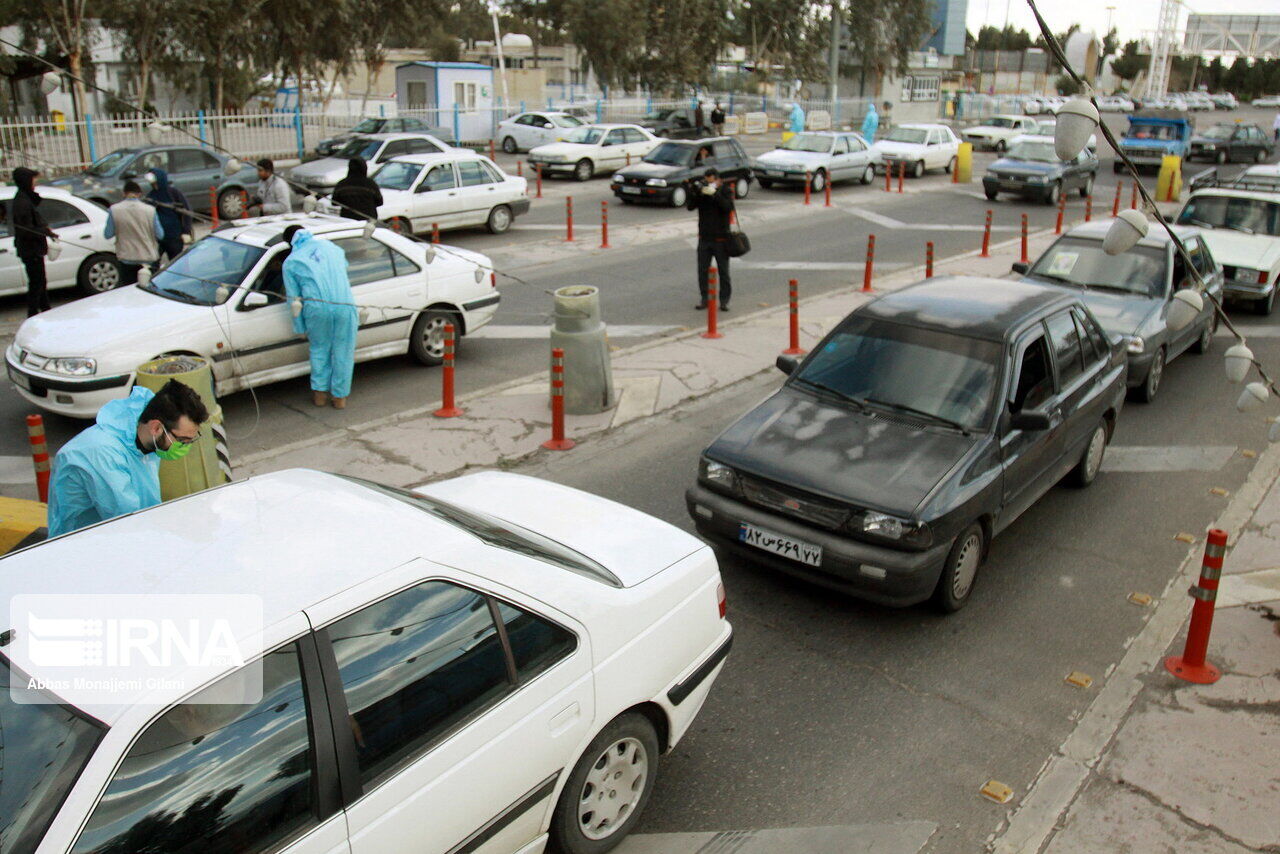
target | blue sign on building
x=949, y=27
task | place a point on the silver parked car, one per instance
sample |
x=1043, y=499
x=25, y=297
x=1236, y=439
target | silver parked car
x=192, y=169
x=822, y=155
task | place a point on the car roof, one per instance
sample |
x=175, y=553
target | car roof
x=922, y=125
x=8, y=191
x=1097, y=230
x=437, y=156
x=967, y=305
x=265, y=230
x=1234, y=193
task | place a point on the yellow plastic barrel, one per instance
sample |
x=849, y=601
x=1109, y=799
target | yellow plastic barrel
x=964, y=163
x=208, y=463
x=59, y=121
x=1169, y=182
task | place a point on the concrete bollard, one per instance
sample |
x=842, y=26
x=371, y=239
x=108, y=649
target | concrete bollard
x=580, y=333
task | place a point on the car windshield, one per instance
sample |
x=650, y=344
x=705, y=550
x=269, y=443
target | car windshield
x=111, y=164
x=1081, y=262
x=567, y=121
x=369, y=126
x=359, y=147
x=1219, y=132
x=584, y=135
x=1252, y=216
x=998, y=122
x=910, y=369
x=1163, y=132
x=397, y=176
x=912, y=135
x=45, y=746
x=1035, y=152
x=670, y=154
x=814, y=142
x=196, y=274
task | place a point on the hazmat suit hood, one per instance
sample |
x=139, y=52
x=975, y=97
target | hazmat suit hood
x=25, y=179
x=300, y=238
x=120, y=417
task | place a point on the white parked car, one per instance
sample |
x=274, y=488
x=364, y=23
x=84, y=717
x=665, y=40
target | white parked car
x=1266, y=101
x=452, y=190
x=995, y=133
x=1033, y=105
x=821, y=155
x=1115, y=104
x=487, y=665
x=527, y=130
x=920, y=146
x=589, y=150
x=223, y=300
x=1242, y=229
x=87, y=259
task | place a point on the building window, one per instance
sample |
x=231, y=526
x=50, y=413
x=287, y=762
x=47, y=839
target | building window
x=464, y=95
x=920, y=88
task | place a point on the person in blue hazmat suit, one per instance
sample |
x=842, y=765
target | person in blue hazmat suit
x=113, y=468
x=316, y=274
x=870, y=124
x=796, y=118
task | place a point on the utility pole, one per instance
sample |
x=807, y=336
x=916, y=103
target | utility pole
x=502, y=62
x=834, y=85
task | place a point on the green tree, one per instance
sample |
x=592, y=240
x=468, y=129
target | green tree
x=224, y=39
x=883, y=33
x=790, y=38
x=1066, y=85
x=1130, y=63
x=146, y=34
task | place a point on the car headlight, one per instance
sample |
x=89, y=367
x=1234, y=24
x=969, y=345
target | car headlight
x=1134, y=344
x=884, y=526
x=656, y=182
x=718, y=475
x=72, y=366
x=617, y=177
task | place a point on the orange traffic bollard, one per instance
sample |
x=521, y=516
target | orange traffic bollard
x=1115, y=205
x=1191, y=665
x=1025, y=259
x=888, y=177
x=213, y=205
x=604, y=224
x=902, y=174
x=793, y=298
x=520, y=169
x=826, y=188
x=538, y=168
x=447, y=407
x=871, y=258
x=713, y=305
x=807, y=186
x=928, y=259
x=1062, y=210
x=39, y=455
x=568, y=219
x=1088, y=208
x=493, y=151
x=1133, y=196
x=244, y=205
x=986, y=239
x=557, y=442
x=435, y=232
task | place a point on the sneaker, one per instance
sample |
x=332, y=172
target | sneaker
x=724, y=306
x=339, y=403
x=700, y=306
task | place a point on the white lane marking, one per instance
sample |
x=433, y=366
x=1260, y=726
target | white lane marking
x=1166, y=458
x=816, y=265
x=17, y=470
x=906, y=837
x=890, y=222
x=522, y=332
x=872, y=216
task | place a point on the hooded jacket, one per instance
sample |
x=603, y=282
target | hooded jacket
x=101, y=473
x=170, y=204
x=870, y=124
x=357, y=195
x=30, y=231
x=317, y=270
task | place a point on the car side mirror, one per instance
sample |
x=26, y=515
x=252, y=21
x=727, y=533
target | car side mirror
x=255, y=299
x=1030, y=419
x=1020, y=267
x=787, y=364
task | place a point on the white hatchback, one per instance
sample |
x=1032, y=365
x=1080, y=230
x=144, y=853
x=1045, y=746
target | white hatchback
x=591, y=149
x=920, y=146
x=484, y=665
x=524, y=131
x=87, y=259
x=997, y=132
x=223, y=300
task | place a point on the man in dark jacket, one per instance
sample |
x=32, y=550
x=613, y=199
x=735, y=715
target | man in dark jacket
x=699, y=120
x=173, y=212
x=713, y=200
x=30, y=238
x=357, y=196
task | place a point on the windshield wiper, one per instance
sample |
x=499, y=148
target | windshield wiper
x=1241, y=228
x=1121, y=288
x=182, y=295
x=1054, y=277
x=902, y=407
x=1193, y=221
x=837, y=392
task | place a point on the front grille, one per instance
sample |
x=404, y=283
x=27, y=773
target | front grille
x=1145, y=152
x=791, y=503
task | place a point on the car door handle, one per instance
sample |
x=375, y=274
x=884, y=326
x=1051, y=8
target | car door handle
x=564, y=719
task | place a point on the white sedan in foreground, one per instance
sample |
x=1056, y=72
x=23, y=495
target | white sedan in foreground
x=920, y=146
x=223, y=300
x=487, y=664
x=589, y=150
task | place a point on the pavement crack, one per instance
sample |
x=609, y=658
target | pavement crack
x=1155, y=800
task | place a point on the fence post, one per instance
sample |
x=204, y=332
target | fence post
x=522, y=109
x=297, y=128
x=88, y=132
x=599, y=110
x=382, y=111
x=457, y=125
x=204, y=141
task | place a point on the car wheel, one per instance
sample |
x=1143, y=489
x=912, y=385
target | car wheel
x=608, y=789
x=1260, y=156
x=231, y=203
x=509, y=145
x=741, y=188
x=678, y=197
x=1117, y=167
x=765, y=183
x=426, y=342
x=818, y=181
x=1055, y=193
x=98, y=274
x=584, y=170
x=399, y=225
x=1091, y=458
x=1220, y=157
x=1205, y=341
x=951, y=165
x=1001, y=146
x=499, y=219
x=961, y=568
x=991, y=194
x=1264, y=306
x=917, y=169
x=868, y=174
x=1087, y=190
x=1151, y=385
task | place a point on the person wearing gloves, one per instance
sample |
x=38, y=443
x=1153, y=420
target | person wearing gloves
x=357, y=196
x=273, y=195
x=713, y=201
x=31, y=238
x=316, y=275
x=135, y=225
x=113, y=468
x=173, y=211
x=870, y=124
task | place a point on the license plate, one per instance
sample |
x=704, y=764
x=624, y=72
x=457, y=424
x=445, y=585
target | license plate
x=18, y=379
x=633, y=190
x=777, y=172
x=768, y=541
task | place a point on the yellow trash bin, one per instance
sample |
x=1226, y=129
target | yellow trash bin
x=22, y=523
x=964, y=163
x=59, y=121
x=786, y=135
x=1169, y=183
x=208, y=464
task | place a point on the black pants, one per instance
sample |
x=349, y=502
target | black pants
x=171, y=247
x=37, y=286
x=717, y=248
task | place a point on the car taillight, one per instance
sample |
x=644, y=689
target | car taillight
x=1262, y=277
x=493, y=278
x=720, y=598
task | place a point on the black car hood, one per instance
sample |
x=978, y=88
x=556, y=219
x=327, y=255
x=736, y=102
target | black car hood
x=827, y=449
x=652, y=170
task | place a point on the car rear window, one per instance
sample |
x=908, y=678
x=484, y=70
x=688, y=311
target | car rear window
x=43, y=749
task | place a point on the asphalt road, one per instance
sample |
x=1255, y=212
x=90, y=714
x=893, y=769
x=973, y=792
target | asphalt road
x=651, y=284
x=835, y=712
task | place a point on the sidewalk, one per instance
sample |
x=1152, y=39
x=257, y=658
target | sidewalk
x=1161, y=765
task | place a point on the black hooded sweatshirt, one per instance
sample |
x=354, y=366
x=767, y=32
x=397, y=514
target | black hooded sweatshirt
x=356, y=195
x=30, y=231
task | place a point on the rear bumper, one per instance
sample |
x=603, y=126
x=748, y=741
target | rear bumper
x=1240, y=291
x=1020, y=188
x=520, y=207
x=552, y=168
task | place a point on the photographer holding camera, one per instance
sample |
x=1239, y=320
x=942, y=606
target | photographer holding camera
x=712, y=198
x=273, y=195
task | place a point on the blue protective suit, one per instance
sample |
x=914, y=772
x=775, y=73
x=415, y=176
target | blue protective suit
x=316, y=270
x=870, y=124
x=796, y=118
x=101, y=474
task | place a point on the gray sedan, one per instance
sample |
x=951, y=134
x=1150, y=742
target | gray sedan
x=822, y=156
x=1129, y=293
x=192, y=169
x=1031, y=168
